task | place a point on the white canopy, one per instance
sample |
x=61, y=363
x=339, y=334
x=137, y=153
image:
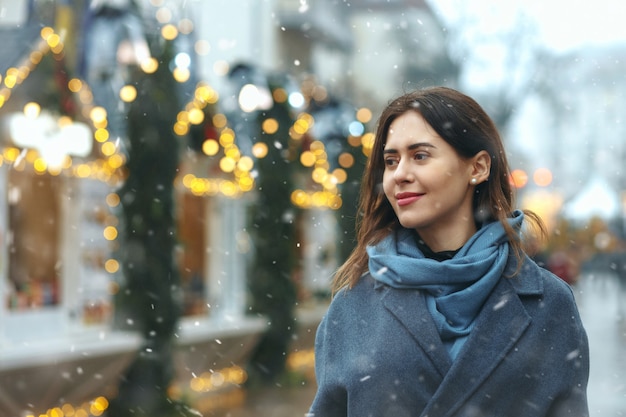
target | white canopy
x=595, y=199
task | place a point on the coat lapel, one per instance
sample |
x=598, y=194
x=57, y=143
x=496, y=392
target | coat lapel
x=499, y=326
x=409, y=307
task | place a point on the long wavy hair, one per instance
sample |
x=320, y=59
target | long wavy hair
x=463, y=124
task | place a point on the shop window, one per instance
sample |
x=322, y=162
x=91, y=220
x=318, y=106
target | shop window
x=192, y=253
x=33, y=241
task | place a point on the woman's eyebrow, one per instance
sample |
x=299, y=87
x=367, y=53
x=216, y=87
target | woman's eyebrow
x=411, y=147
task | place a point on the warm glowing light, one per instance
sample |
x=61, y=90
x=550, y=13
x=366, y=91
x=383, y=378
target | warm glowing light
x=111, y=266
x=108, y=148
x=196, y=116
x=112, y=199
x=219, y=120
x=270, y=126
x=340, y=175
x=280, y=95
x=128, y=93
x=542, y=177
x=227, y=164
x=46, y=32
x=259, y=150
x=181, y=74
x=367, y=140
x=83, y=171
x=110, y=233
x=101, y=135
x=307, y=158
x=364, y=115
x=319, y=175
x=301, y=126
x=210, y=147
x=40, y=165
x=227, y=137
x=75, y=85
x=519, y=178
x=149, y=65
x=245, y=163
x=98, y=114
x=169, y=32
x=32, y=110
x=346, y=160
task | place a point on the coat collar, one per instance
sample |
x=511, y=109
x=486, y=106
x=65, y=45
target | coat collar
x=498, y=327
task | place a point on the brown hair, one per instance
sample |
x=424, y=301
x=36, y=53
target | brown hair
x=463, y=124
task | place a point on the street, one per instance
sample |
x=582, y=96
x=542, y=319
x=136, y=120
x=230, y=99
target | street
x=601, y=301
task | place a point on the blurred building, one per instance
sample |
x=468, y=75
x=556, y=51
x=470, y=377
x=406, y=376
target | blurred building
x=58, y=204
x=577, y=132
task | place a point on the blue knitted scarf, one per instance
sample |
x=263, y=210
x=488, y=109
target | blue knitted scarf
x=456, y=288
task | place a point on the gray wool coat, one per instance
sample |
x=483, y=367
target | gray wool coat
x=378, y=354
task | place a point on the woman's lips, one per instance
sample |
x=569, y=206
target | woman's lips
x=404, y=199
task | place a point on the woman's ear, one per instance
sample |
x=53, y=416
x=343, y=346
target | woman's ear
x=481, y=166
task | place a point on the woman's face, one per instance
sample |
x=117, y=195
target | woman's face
x=428, y=183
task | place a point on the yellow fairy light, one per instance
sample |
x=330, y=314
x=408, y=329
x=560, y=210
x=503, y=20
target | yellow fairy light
x=319, y=175
x=46, y=32
x=219, y=121
x=149, y=66
x=110, y=233
x=233, y=153
x=116, y=161
x=111, y=266
x=346, y=160
x=53, y=40
x=98, y=114
x=40, y=165
x=169, y=32
x=181, y=74
x=83, y=171
x=75, y=85
x=227, y=137
x=270, y=126
x=10, y=154
x=319, y=198
x=32, y=110
x=108, y=148
x=367, y=140
x=181, y=128
x=112, y=199
x=364, y=115
x=228, y=188
x=259, y=150
x=128, y=93
x=101, y=135
x=196, y=116
x=246, y=183
x=280, y=95
x=227, y=164
x=210, y=147
x=301, y=126
x=340, y=175
x=307, y=158
x=245, y=163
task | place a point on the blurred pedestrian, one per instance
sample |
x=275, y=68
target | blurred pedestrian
x=438, y=311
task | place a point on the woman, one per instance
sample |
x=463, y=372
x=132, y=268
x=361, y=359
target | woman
x=438, y=311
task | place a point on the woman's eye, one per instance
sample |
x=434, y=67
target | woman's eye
x=390, y=162
x=420, y=156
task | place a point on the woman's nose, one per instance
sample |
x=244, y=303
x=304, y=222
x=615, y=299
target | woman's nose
x=402, y=172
